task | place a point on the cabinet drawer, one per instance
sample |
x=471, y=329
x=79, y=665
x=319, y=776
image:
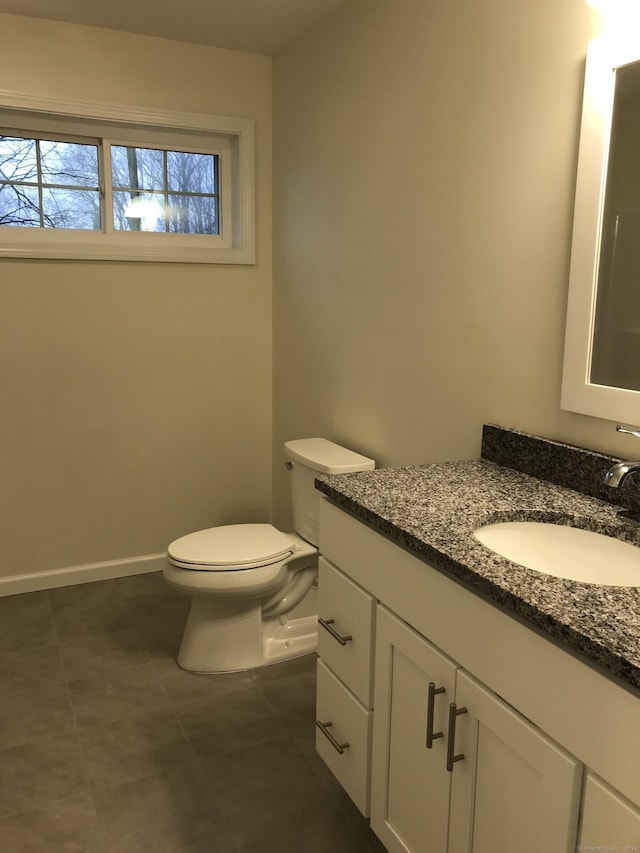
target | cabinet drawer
x=345, y=641
x=349, y=724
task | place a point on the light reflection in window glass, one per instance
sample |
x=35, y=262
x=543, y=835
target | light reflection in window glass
x=170, y=191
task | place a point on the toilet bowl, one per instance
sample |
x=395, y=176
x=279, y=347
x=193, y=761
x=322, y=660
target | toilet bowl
x=250, y=584
x=229, y=626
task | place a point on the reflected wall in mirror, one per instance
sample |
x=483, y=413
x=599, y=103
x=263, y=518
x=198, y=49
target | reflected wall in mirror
x=615, y=359
x=601, y=375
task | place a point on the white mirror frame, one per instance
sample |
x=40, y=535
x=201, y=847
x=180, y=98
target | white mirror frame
x=578, y=393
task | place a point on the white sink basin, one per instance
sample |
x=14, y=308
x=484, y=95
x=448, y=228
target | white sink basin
x=564, y=552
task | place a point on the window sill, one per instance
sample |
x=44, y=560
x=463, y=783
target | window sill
x=128, y=247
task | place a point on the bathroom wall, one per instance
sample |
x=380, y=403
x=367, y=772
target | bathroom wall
x=135, y=398
x=424, y=172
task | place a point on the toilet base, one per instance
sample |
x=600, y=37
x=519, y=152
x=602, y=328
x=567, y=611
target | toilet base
x=296, y=638
x=241, y=639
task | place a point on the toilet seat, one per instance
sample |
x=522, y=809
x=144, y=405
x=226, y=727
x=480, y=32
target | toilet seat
x=231, y=547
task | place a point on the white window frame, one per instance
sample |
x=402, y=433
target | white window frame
x=232, y=139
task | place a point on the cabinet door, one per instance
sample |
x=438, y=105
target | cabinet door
x=515, y=789
x=609, y=822
x=409, y=782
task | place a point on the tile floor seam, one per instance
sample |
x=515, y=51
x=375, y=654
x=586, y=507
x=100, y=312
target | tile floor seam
x=53, y=622
x=203, y=775
x=85, y=765
x=92, y=788
x=59, y=802
x=195, y=756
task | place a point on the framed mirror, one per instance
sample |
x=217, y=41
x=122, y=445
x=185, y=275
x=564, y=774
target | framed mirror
x=601, y=373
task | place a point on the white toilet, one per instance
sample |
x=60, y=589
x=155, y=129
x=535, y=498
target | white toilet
x=250, y=584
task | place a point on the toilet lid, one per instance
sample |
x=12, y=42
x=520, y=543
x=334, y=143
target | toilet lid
x=233, y=546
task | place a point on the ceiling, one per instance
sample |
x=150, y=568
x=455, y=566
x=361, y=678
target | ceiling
x=257, y=26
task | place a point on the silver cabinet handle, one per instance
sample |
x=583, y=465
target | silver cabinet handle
x=327, y=623
x=433, y=692
x=324, y=728
x=451, y=743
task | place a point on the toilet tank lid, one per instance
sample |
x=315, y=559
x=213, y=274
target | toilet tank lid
x=324, y=456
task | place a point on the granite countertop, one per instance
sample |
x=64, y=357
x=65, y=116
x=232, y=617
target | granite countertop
x=432, y=511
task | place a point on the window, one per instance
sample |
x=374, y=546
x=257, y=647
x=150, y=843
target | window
x=92, y=181
x=55, y=183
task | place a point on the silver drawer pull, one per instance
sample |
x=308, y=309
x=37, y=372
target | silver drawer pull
x=327, y=623
x=451, y=743
x=324, y=728
x=433, y=692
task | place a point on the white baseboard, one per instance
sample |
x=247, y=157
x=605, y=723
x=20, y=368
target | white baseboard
x=71, y=575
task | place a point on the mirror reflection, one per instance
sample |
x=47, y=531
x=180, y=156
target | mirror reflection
x=615, y=357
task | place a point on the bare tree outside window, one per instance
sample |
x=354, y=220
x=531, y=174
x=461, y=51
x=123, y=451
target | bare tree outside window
x=49, y=184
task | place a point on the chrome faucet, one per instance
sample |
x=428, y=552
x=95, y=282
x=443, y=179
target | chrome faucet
x=618, y=473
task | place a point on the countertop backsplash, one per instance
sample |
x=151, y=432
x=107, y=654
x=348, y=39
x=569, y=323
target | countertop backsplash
x=572, y=467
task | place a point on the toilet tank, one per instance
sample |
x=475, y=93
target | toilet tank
x=310, y=457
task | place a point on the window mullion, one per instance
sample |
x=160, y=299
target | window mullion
x=218, y=192
x=165, y=168
x=40, y=193
x=106, y=187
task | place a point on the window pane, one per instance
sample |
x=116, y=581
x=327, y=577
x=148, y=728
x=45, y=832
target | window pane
x=192, y=173
x=69, y=163
x=137, y=168
x=138, y=211
x=192, y=215
x=19, y=205
x=71, y=209
x=18, y=159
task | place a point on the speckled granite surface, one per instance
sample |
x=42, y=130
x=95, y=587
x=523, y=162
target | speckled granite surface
x=432, y=510
x=563, y=464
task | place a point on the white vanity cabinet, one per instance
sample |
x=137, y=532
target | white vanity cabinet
x=456, y=769
x=551, y=746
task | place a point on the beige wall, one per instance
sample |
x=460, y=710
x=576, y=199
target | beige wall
x=135, y=399
x=424, y=171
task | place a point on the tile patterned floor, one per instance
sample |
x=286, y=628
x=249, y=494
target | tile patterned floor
x=106, y=746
